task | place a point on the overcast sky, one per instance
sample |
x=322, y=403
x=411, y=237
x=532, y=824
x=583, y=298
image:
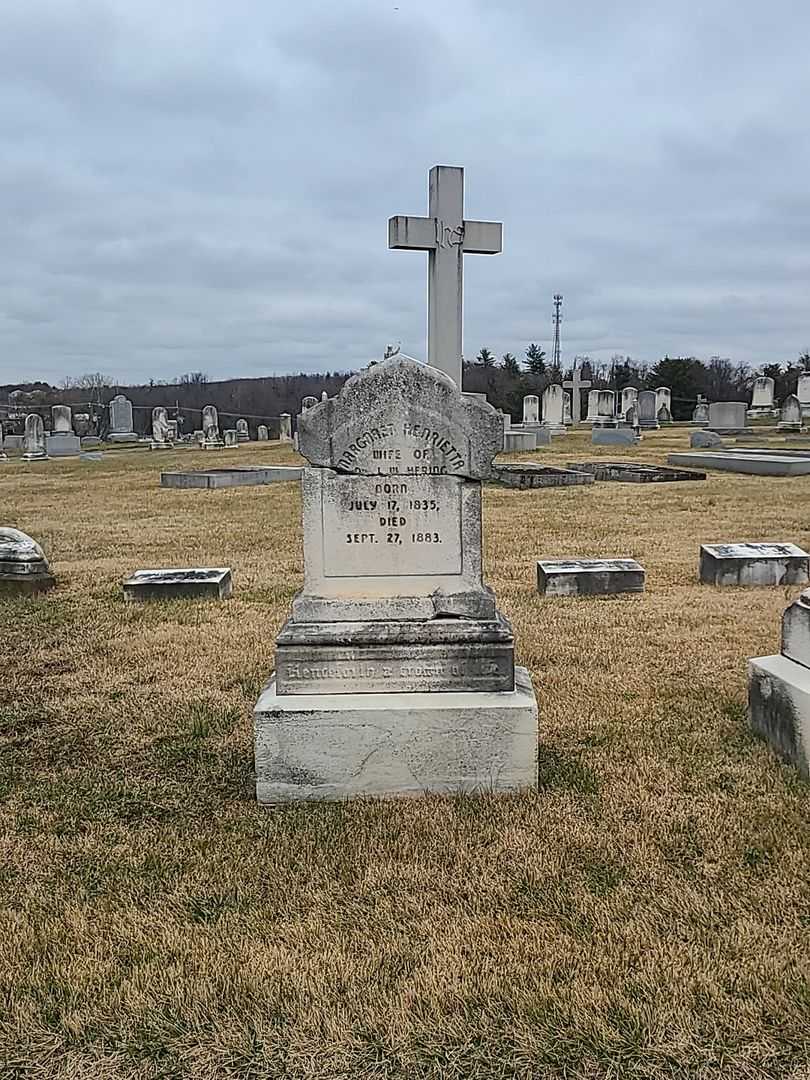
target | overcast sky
x=205, y=185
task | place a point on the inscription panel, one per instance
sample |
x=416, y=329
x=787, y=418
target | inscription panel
x=391, y=526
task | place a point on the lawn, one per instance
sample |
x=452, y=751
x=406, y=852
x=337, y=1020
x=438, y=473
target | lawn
x=645, y=913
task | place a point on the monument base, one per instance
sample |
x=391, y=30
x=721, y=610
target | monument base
x=25, y=584
x=779, y=707
x=320, y=746
x=62, y=445
x=122, y=436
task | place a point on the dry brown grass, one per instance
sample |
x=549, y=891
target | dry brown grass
x=644, y=914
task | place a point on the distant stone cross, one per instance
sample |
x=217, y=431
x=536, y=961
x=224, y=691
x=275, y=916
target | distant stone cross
x=576, y=384
x=447, y=237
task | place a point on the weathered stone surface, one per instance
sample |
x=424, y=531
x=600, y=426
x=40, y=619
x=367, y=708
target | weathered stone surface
x=285, y=427
x=531, y=409
x=391, y=547
x=262, y=434
x=727, y=417
x=553, y=409
x=242, y=430
x=755, y=463
x=527, y=474
x=334, y=746
x=701, y=440
x=790, y=417
x=629, y=399
x=61, y=420
x=212, y=439
x=796, y=631
x=515, y=441
x=647, y=410
x=33, y=445
x=632, y=472
x=401, y=416
x=161, y=438
x=199, y=583
x=121, y=428
x=395, y=657
x=605, y=409
x=59, y=445
x=606, y=436
x=589, y=577
x=700, y=414
x=779, y=707
x=803, y=393
x=762, y=397
x=23, y=566
x=231, y=438
x=753, y=564
x=237, y=476
x=663, y=400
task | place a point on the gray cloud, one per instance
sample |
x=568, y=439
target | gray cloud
x=207, y=187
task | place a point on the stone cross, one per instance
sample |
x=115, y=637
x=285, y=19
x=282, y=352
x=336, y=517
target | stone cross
x=576, y=385
x=447, y=237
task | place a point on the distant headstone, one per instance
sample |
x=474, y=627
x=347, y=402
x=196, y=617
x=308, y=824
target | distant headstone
x=779, y=689
x=531, y=409
x=528, y=474
x=285, y=427
x=629, y=399
x=395, y=673
x=33, y=445
x=198, y=437
x=210, y=421
x=576, y=384
x=790, y=417
x=242, y=431
x=23, y=566
x=566, y=408
x=700, y=414
x=631, y=417
x=605, y=436
x=635, y=472
x=553, y=409
x=727, y=417
x=3, y=454
x=161, y=439
x=199, y=583
x=231, y=437
x=753, y=564
x=236, y=476
x=515, y=440
x=61, y=441
x=121, y=429
x=664, y=416
x=262, y=434
x=61, y=420
x=702, y=440
x=589, y=577
x=308, y=403
x=663, y=400
x=173, y=427
x=803, y=392
x=593, y=400
x=762, y=397
x=605, y=408
x=647, y=410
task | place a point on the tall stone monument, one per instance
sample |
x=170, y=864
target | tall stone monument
x=576, y=384
x=395, y=672
x=553, y=409
x=762, y=403
x=593, y=398
x=121, y=429
x=212, y=440
x=61, y=441
x=33, y=444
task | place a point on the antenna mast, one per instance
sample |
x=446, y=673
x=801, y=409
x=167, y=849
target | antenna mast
x=555, y=355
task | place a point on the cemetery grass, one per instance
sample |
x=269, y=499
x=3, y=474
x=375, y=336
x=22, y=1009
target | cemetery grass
x=644, y=913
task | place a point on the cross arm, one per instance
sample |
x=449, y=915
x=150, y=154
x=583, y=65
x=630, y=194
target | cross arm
x=416, y=233
x=483, y=237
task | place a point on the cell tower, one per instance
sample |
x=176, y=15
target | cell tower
x=555, y=355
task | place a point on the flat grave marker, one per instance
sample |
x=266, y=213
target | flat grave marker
x=194, y=583
x=753, y=564
x=589, y=577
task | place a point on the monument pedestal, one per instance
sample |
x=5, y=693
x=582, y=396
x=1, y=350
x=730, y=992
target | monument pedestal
x=332, y=746
x=62, y=445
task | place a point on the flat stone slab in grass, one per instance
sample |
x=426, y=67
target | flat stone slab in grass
x=203, y=583
x=526, y=474
x=589, y=577
x=753, y=462
x=631, y=472
x=322, y=746
x=753, y=564
x=613, y=437
x=515, y=441
x=241, y=476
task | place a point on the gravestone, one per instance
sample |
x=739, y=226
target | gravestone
x=516, y=440
x=198, y=437
x=173, y=427
x=236, y=476
x=262, y=434
x=803, y=392
x=779, y=689
x=702, y=440
x=593, y=400
x=753, y=564
x=746, y=461
x=531, y=409
x=727, y=417
x=231, y=437
x=285, y=427
x=60, y=441
x=161, y=439
x=567, y=409
x=605, y=408
x=528, y=474
x=629, y=399
x=576, y=384
x=663, y=400
x=3, y=454
x=631, y=417
x=700, y=414
x=762, y=403
x=23, y=566
x=647, y=410
x=242, y=431
x=395, y=672
x=189, y=583
x=121, y=429
x=633, y=472
x=33, y=444
x=589, y=577
x=308, y=403
x=553, y=409
x=210, y=422
x=605, y=436
x=790, y=417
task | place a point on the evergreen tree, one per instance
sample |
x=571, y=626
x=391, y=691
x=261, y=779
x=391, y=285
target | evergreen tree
x=485, y=358
x=510, y=365
x=535, y=360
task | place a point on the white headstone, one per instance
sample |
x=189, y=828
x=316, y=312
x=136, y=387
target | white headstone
x=308, y=403
x=605, y=407
x=242, y=430
x=647, y=410
x=553, y=409
x=285, y=427
x=663, y=400
x=531, y=409
x=33, y=445
x=262, y=433
x=61, y=420
x=121, y=429
x=727, y=416
x=231, y=437
x=629, y=398
x=576, y=384
x=803, y=393
x=161, y=439
x=566, y=408
x=210, y=423
x=790, y=417
x=762, y=397
x=593, y=398
x=447, y=237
